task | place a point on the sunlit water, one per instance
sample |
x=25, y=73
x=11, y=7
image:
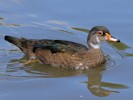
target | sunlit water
x=66, y=20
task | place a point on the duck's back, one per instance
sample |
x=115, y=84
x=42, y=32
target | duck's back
x=28, y=46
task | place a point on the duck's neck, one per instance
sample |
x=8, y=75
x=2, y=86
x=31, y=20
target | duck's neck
x=94, y=43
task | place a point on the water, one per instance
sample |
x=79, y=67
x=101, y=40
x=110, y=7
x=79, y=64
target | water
x=68, y=20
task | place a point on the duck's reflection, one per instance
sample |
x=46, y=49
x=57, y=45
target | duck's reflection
x=94, y=83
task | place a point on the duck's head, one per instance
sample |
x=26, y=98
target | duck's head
x=99, y=34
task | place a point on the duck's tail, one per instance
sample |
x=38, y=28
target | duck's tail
x=13, y=40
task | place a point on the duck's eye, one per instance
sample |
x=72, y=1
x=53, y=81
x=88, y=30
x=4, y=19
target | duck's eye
x=100, y=32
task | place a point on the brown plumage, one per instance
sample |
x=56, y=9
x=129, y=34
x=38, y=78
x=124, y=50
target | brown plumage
x=78, y=60
x=66, y=54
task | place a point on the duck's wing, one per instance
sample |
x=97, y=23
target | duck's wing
x=29, y=45
x=59, y=46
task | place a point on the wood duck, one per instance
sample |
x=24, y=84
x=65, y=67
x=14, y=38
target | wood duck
x=67, y=54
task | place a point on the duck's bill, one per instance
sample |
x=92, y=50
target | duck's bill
x=111, y=38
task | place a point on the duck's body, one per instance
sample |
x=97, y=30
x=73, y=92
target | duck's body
x=84, y=59
x=65, y=54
